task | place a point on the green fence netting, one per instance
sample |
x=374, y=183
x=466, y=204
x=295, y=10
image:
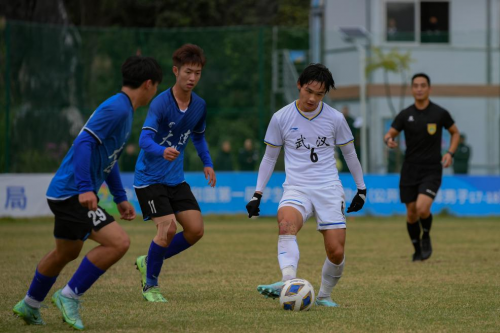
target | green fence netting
x=53, y=77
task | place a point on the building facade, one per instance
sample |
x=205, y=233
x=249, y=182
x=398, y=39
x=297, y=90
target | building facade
x=455, y=42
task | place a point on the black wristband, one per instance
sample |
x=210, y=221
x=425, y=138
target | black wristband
x=257, y=195
x=449, y=152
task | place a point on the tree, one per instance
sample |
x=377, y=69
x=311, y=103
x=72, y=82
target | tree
x=397, y=63
x=188, y=13
x=392, y=62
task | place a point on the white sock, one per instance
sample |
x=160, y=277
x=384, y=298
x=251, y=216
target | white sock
x=289, y=272
x=288, y=256
x=330, y=275
x=69, y=293
x=32, y=302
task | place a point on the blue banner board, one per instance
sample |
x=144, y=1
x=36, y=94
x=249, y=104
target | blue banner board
x=459, y=195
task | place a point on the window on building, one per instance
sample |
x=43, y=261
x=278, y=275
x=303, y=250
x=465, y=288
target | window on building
x=434, y=22
x=417, y=21
x=400, y=21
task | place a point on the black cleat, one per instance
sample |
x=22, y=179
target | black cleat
x=417, y=256
x=426, y=248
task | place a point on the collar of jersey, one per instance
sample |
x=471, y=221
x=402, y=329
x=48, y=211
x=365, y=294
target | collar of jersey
x=175, y=101
x=302, y=113
x=422, y=110
x=129, y=100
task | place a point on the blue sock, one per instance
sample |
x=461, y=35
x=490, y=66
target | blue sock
x=178, y=244
x=154, y=263
x=40, y=286
x=84, y=277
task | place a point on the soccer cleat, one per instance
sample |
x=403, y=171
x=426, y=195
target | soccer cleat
x=326, y=302
x=69, y=308
x=142, y=267
x=30, y=315
x=153, y=294
x=417, y=256
x=426, y=248
x=271, y=290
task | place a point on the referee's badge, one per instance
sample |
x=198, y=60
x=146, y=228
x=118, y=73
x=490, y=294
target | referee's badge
x=431, y=129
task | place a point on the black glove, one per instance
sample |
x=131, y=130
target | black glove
x=253, y=205
x=358, y=201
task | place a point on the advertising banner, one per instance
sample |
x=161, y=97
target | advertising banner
x=23, y=195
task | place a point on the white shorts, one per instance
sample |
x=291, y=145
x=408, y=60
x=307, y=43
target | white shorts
x=327, y=204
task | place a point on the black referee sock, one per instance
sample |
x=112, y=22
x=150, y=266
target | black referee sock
x=414, y=232
x=426, y=226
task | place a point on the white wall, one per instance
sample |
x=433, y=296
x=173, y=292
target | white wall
x=342, y=13
x=468, y=19
x=461, y=62
x=447, y=66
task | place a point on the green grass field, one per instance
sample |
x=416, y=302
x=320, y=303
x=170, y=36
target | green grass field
x=212, y=286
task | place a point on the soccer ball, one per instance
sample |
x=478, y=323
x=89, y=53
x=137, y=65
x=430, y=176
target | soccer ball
x=297, y=295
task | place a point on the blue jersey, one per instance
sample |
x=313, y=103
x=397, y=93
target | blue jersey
x=172, y=128
x=110, y=125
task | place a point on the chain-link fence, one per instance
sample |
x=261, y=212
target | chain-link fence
x=53, y=77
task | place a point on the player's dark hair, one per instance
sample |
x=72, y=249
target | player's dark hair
x=137, y=69
x=318, y=73
x=425, y=76
x=188, y=54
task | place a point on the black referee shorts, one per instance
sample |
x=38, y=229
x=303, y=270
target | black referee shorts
x=419, y=179
x=75, y=222
x=160, y=200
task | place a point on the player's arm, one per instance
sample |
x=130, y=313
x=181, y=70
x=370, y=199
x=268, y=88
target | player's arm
x=148, y=144
x=114, y=181
x=354, y=166
x=455, y=139
x=201, y=146
x=150, y=128
x=115, y=185
x=389, y=138
x=274, y=141
x=100, y=125
x=266, y=169
x=351, y=159
x=345, y=141
x=84, y=146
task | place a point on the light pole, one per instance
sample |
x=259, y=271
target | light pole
x=360, y=37
x=316, y=30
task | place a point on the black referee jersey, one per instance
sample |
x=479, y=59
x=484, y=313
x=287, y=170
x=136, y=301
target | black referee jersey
x=423, y=131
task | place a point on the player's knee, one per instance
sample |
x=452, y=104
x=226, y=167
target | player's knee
x=162, y=238
x=286, y=227
x=164, y=231
x=70, y=256
x=172, y=230
x=123, y=244
x=195, y=233
x=66, y=256
x=119, y=245
x=412, y=216
x=335, y=255
x=423, y=211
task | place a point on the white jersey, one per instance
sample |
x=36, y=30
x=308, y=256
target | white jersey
x=309, y=144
